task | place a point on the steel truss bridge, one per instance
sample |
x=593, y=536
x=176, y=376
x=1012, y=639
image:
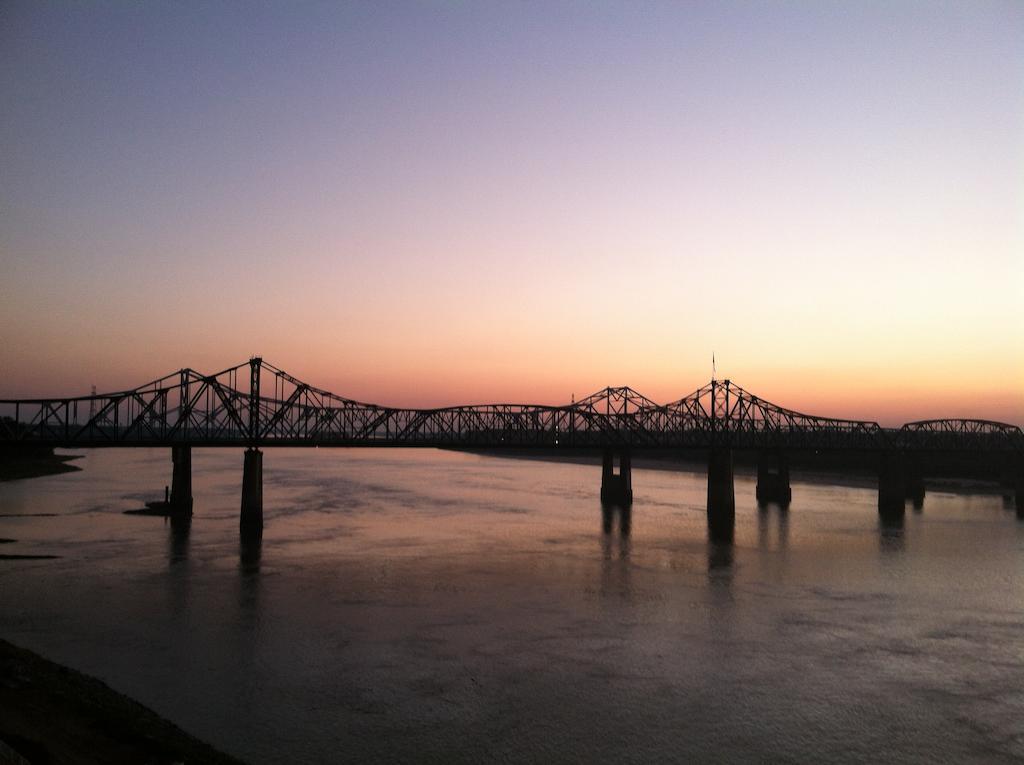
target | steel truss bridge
x=255, y=404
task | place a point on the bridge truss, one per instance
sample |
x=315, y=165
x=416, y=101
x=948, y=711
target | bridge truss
x=257, y=404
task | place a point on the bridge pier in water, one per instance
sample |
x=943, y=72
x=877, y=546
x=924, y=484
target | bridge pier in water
x=180, y=500
x=251, y=520
x=900, y=477
x=1011, y=478
x=721, y=496
x=773, y=479
x=1019, y=491
x=892, y=485
x=1016, y=481
x=913, y=480
x=617, y=488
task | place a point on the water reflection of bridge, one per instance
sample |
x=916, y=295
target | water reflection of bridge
x=256, y=405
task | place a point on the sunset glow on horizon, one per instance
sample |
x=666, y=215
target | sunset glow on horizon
x=425, y=205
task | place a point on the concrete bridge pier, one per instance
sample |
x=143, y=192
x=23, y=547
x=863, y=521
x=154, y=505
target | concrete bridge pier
x=251, y=519
x=1017, y=481
x=892, y=485
x=617, y=488
x=721, y=496
x=913, y=480
x=180, y=500
x=1011, y=478
x=773, y=479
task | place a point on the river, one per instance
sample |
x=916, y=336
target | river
x=421, y=605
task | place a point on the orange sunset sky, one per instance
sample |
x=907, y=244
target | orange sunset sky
x=428, y=204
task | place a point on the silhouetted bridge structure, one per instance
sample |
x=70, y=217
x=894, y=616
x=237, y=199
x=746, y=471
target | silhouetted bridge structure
x=256, y=405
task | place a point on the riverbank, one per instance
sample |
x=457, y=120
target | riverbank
x=35, y=465
x=50, y=713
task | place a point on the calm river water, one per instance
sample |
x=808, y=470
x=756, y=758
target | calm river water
x=411, y=605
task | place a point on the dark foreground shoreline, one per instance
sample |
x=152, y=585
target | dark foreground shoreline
x=36, y=465
x=53, y=714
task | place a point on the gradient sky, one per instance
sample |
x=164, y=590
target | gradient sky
x=433, y=203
